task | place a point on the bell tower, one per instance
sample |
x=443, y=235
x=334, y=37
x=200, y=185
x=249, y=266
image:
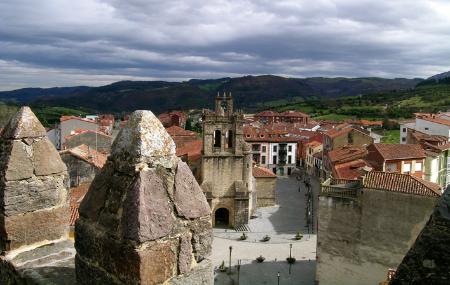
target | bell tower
x=226, y=164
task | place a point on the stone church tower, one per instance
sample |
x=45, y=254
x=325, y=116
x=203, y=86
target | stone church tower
x=227, y=165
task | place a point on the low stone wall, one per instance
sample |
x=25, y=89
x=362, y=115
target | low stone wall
x=359, y=239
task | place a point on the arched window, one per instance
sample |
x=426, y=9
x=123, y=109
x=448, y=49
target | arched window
x=217, y=138
x=230, y=138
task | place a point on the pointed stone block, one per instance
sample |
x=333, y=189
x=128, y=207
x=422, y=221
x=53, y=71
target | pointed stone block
x=33, y=185
x=24, y=124
x=129, y=231
x=143, y=139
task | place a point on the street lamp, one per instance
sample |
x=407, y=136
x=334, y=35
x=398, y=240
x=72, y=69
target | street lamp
x=278, y=275
x=229, y=267
x=290, y=251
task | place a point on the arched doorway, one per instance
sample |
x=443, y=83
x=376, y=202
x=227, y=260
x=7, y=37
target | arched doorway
x=222, y=218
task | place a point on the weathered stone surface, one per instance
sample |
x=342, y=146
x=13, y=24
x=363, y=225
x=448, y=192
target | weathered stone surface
x=190, y=202
x=23, y=196
x=202, y=237
x=105, y=258
x=185, y=254
x=46, y=159
x=428, y=260
x=51, y=264
x=158, y=263
x=147, y=213
x=19, y=165
x=202, y=274
x=33, y=179
x=128, y=231
x=28, y=228
x=24, y=124
x=143, y=138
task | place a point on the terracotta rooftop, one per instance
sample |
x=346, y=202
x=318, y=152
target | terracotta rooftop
x=339, y=130
x=314, y=144
x=399, y=151
x=192, y=149
x=350, y=170
x=175, y=131
x=262, y=172
x=87, y=154
x=76, y=196
x=403, y=183
x=346, y=153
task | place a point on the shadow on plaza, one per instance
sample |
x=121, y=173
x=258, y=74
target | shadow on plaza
x=301, y=272
x=290, y=216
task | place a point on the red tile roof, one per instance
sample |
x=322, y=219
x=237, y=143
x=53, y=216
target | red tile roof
x=262, y=172
x=350, y=170
x=399, y=151
x=192, y=149
x=346, y=153
x=339, y=130
x=87, y=154
x=403, y=183
x=76, y=196
x=178, y=131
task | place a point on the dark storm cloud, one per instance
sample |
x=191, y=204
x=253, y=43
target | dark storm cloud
x=94, y=42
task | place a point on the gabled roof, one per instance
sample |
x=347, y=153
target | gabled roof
x=399, y=151
x=262, y=172
x=346, y=153
x=403, y=183
x=87, y=154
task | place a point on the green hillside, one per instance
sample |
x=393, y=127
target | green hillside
x=377, y=106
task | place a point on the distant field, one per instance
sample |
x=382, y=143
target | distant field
x=391, y=136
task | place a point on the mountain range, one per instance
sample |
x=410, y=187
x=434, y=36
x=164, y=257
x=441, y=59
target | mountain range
x=249, y=92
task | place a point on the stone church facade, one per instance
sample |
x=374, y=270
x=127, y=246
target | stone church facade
x=227, y=179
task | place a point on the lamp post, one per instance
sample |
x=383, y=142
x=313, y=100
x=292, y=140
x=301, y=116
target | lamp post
x=290, y=251
x=229, y=267
x=278, y=276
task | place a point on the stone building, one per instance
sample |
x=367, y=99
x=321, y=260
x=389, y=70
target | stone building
x=227, y=165
x=265, y=181
x=83, y=163
x=365, y=227
x=94, y=139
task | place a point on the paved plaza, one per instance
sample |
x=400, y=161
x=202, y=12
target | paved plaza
x=281, y=223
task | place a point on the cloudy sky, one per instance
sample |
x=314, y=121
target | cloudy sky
x=94, y=42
